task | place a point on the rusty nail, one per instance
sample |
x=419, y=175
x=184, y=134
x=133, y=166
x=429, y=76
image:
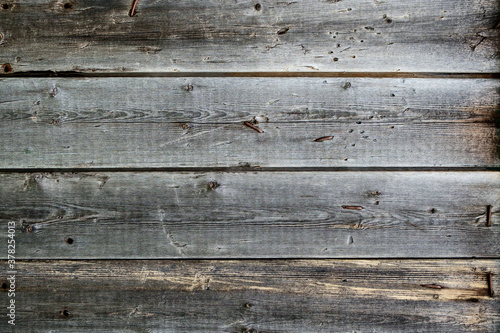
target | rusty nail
x=255, y=128
x=432, y=286
x=132, y=10
x=488, y=215
x=324, y=138
x=353, y=207
x=491, y=293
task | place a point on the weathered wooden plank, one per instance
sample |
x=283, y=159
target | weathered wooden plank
x=147, y=145
x=256, y=296
x=230, y=36
x=234, y=100
x=193, y=122
x=252, y=214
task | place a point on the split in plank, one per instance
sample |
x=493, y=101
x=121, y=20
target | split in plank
x=228, y=36
x=252, y=214
x=256, y=296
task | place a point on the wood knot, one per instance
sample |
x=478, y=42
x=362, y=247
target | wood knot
x=213, y=185
x=64, y=313
x=346, y=85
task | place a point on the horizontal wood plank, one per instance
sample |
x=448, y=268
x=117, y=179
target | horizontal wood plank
x=198, y=122
x=241, y=36
x=256, y=296
x=252, y=214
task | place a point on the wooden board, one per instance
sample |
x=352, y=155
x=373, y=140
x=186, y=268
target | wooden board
x=238, y=36
x=252, y=214
x=198, y=122
x=257, y=296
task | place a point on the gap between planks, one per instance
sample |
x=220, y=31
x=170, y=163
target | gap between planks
x=250, y=259
x=251, y=169
x=423, y=75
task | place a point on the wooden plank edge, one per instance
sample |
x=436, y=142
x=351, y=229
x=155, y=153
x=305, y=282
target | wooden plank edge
x=423, y=75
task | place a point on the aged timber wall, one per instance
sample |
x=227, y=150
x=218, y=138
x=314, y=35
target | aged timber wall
x=250, y=166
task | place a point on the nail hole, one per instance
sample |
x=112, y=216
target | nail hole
x=433, y=210
x=64, y=313
x=258, y=7
x=70, y=240
x=5, y=286
x=335, y=59
x=389, y=21
x=248, y=305
x=67, y=5
x=7, y=68
x=5, y=6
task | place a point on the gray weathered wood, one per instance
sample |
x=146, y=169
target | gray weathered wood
x=198, y=122
x=252, y=214
x=234, y=100
x=233, y=36
x=256, y=296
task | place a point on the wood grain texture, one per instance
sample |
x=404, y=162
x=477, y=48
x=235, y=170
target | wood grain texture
x=193, y=122
x=256, y=296
x=252, y=214
x=229, y=36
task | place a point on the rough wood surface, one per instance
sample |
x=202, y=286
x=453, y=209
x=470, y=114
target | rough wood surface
x=256, y=296
x=239, y=36
x=198, y=122
x=252, y=214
